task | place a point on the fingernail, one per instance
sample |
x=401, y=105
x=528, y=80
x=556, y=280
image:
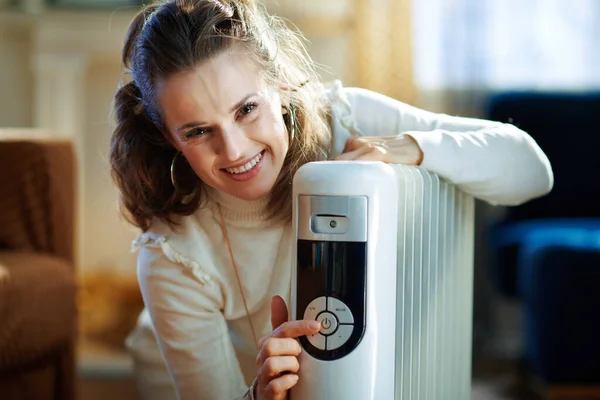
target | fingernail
x=315, y=325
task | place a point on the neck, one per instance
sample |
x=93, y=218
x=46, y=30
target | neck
x=238, y=211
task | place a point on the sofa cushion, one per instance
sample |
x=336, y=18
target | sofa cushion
x=558, y=280
x=37, y=307
x=36, y=205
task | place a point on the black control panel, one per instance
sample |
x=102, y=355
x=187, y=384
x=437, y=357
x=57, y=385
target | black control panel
x=331, y=288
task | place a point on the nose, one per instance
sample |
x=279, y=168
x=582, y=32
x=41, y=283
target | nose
x=232, y=143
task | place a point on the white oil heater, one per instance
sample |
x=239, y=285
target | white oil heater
x=383, y=258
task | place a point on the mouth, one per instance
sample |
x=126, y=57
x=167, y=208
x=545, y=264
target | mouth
x=246, y=168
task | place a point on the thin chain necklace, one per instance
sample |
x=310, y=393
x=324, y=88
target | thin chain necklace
x=237, y=275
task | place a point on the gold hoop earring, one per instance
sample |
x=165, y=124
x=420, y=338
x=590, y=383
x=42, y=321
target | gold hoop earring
x=176, y=186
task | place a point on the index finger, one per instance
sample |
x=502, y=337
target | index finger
x=292, y=329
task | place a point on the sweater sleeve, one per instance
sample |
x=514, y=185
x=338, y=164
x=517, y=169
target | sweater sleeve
x=492, y=161
x=190, y=329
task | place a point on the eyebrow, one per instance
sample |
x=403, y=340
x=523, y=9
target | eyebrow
x=235, y=107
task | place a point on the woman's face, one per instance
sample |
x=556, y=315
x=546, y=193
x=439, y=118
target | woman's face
x=228, y=124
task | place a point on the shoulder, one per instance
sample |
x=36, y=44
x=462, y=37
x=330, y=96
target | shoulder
x=341, y=102
x=357, y=112
x=344, y=99
x=358, y=109
x=183, y=246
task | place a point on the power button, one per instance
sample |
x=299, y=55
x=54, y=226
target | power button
x=328, y=323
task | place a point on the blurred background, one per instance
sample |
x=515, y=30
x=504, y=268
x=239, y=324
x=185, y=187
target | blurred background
x=65, y=250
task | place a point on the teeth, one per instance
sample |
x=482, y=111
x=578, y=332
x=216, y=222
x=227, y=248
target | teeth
x=246, y=167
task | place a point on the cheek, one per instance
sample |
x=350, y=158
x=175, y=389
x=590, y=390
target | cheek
x=274, y=133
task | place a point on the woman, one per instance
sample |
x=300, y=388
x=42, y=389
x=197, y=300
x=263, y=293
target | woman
x=223, y=107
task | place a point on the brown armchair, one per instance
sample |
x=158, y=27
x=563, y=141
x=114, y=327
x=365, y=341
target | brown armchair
x=38, y=317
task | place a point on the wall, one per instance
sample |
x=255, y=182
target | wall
x=15, y=75
x=107, y=236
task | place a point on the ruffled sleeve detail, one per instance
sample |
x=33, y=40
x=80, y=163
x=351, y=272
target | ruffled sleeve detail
x=154, y=240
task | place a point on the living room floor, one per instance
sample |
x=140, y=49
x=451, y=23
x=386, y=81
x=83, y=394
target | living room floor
x=106, y=374
x=123, y=389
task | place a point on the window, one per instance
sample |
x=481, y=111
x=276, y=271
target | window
x=514, y=44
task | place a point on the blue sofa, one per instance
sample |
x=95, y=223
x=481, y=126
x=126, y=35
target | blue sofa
x=547, y=252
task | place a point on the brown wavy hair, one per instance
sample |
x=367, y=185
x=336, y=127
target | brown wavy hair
x=174, y=36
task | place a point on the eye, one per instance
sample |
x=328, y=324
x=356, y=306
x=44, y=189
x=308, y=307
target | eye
x=196, y=132
x=247, y=109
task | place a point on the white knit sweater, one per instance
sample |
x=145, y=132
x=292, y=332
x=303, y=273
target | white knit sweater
x=188, y=284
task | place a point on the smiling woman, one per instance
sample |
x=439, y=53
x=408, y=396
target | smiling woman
x=223, y=107
x=226, y=121
x=232, y=71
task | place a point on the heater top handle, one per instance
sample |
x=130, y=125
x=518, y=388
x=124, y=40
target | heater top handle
x=332, y=198
x=332, y=218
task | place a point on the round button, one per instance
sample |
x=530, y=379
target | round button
x=315, y=307
x=317, y=340
x=340, y=337
x=328, y=323
x=340, y=309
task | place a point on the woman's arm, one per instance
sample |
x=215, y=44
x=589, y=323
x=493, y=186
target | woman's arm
x=190, y=329
x=492, y=161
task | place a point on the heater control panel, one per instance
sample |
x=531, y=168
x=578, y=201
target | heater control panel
x=337, y=322
x=331, y=272
x=331, y=288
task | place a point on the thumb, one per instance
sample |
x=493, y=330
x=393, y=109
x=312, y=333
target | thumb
x=352, y=143
x=279, y=312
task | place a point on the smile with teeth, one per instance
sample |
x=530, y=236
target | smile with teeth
x=246, y=167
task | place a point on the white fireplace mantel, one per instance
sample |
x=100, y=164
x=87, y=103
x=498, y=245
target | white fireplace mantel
x=64, y=46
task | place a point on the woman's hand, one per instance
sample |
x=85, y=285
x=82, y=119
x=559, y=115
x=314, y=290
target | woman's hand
x=397, y=149
x=276, y=360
